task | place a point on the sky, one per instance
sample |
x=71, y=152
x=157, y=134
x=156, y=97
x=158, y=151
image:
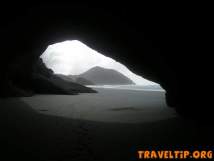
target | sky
x=74, y=57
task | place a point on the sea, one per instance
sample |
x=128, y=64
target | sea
x=131, y=87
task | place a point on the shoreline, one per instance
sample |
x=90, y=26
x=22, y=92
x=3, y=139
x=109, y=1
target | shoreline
x=108, y=105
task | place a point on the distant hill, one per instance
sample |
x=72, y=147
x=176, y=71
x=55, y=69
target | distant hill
x=103, y=76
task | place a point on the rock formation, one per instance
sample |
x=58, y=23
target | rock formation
x=99, y=76
x=75, y=79
x=45, y=81
x=102, y=76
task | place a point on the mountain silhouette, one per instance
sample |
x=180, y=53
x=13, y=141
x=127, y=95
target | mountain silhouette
x=102, y=76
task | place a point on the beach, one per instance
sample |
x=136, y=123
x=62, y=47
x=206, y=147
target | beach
x=108, y=105
x=109, y=125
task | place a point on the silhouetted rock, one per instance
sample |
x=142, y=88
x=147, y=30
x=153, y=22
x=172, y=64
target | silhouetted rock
x=45, y=85
x=41, y=68
x=102, y=76
x=75, y=79
x=66, y=77
x=72, y=86
x=46, y=82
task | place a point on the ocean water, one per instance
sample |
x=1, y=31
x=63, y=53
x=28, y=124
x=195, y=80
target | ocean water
x=131, y=87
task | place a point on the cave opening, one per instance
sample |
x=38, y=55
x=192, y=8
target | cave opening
x=118, y=95
x=73, y=58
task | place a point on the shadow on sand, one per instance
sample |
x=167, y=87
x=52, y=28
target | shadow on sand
x=29, y=135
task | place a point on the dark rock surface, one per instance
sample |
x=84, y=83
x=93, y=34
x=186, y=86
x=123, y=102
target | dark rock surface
x=46, y=82
x=75, y=79
x=102, y=76
x=43, y=81
x=66, y=77
x=168, y=45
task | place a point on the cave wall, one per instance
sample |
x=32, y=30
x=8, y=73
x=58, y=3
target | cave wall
x=157, y=42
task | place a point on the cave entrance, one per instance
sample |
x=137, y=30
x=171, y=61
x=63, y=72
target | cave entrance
x=123, y=96
x=75, y=59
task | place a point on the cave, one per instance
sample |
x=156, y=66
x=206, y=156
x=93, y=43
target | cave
x=116, y=88
x=158, y=43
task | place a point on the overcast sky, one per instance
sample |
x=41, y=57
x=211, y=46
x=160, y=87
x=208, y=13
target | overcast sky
x=74, y=57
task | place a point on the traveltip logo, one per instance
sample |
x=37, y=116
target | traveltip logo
x=174, y=154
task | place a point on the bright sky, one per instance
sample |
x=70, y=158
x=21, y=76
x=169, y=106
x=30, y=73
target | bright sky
x=74, y=57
